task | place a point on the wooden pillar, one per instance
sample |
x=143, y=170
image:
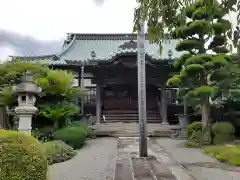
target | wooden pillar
x=164, y=106
x=98, y=103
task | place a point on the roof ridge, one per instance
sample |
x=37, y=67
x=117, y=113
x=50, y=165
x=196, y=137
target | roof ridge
x=103, y=36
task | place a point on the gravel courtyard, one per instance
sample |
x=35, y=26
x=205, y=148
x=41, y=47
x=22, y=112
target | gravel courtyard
x=96, y=161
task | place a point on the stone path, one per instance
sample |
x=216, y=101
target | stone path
x=195, y=163
x=117, y=159
x=96, y=161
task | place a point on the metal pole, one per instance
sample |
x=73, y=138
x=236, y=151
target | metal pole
x=143, y=149
x=82, y=87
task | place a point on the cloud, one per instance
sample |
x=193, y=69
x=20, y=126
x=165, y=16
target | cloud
x=99, y=2
x=25, y=45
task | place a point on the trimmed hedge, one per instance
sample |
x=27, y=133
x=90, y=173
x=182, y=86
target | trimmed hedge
x=85, y=127
x=223, y=132
x=57, y=151
x=21, y=157
x=74, y=136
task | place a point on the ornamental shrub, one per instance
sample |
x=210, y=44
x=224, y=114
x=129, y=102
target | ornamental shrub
x=57, y=151
x=223, y=132
x=193, y=127
x=88, y=130
x=74, y=136
x=21, y=157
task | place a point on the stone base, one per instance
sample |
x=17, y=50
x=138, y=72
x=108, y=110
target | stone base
x=182, y=134
x=165, y=123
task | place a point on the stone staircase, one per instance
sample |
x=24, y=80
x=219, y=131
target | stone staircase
x=121, y=129
x=129, y=116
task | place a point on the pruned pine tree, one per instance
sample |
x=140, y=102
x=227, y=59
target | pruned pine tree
x=204, y=61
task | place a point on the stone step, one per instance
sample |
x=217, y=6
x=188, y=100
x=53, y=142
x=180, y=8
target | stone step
x=150, y=121
x=124, y=112
x=129, y=115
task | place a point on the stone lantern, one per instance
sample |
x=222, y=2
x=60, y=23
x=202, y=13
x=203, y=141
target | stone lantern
x=26, y=91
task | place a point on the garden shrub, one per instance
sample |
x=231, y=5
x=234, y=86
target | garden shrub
x=225, y=153
x=57, y=151
x=193, y=127
x=74, y=136
x=21, y=157
x=223, y=132
x=88, y=130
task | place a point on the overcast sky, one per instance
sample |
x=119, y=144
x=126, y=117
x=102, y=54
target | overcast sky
x=31, y=27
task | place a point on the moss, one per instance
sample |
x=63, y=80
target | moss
x=21, y=157
x=227, y=153
x=57, y=151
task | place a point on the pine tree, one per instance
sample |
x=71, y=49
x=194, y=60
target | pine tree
x=204, y=61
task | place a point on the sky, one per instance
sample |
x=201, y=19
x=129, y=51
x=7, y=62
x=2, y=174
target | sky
x=40, y=26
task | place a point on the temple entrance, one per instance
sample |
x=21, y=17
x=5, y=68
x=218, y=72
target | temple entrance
x=125, y=97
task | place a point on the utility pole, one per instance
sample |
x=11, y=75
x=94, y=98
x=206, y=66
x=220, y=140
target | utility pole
x=143, y=149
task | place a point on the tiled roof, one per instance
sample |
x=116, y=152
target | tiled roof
x=97, y=47
x=106, y=46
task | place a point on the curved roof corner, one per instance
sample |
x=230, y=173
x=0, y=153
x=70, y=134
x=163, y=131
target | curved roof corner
x=66, y=48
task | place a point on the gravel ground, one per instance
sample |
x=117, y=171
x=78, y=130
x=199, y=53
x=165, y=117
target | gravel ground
x=197, y=163
x=96, y=161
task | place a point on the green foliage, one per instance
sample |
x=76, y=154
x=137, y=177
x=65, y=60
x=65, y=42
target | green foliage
x=163, y=16
x=223, y=128
x=193, y=127
x=74, y=136
x=10, y=74
x=223, y=132
x=21, y=157
x=44, y=134
x=188, y=45
x=202, y=74
x=85, y=127
x=58, y=82
x=57, y=151
x=227, y=153
x=58, y=113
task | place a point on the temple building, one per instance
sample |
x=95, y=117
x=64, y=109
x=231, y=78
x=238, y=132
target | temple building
x=107, y=64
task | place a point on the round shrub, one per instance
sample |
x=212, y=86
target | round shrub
x=195, y=126
x=57, y=151
x=223, y=138
x=86, y=128
x=74, y=136
x=223, y=128
x=223, y=132
x=21, y=157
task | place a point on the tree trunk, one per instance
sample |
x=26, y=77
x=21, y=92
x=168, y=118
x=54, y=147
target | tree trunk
x=3, y=118
x=206, y=122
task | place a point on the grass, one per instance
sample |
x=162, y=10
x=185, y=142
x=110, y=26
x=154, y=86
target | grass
x=225, y=153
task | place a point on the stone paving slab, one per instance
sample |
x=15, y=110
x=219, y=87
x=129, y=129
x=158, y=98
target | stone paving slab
x=191, y=160
x=147, y=168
